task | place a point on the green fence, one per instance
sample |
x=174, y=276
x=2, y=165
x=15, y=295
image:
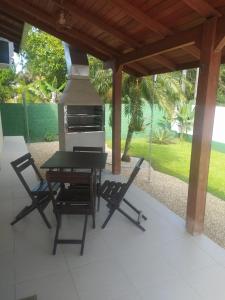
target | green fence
x=157, y=117
x=38, y=122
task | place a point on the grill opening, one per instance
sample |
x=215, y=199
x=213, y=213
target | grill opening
x=84, y=118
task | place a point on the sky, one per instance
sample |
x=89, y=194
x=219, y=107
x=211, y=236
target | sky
x=18, y=65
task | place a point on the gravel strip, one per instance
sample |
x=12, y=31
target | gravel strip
x=169, y=190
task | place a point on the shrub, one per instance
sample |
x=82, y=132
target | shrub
x=50, y=137
x=163, y=136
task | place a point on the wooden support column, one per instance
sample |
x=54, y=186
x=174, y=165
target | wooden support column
x=203, y=127
x=116, y=118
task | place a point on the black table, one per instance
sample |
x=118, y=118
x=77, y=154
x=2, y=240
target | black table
x=76, y=160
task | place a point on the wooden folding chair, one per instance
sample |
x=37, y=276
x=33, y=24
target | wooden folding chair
x=114, y=193
x=99, y=172
x=76, y=197
x=39, y=194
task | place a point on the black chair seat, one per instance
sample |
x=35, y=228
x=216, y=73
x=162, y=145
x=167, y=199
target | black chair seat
x=42, y=188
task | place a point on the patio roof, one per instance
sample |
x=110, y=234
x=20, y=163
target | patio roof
x=147, y=37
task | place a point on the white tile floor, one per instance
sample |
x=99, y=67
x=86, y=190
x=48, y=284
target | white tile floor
x=120, y=262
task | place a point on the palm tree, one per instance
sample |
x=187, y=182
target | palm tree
x=165, y=91
x=134, y=102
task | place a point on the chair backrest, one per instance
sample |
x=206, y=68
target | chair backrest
x=135, y=171
x=21, y=164
x=117, y=190
x=87, y=149
x=72, y=179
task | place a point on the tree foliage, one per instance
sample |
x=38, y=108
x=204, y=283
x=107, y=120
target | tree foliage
x=44, y=57
x=101, y=79
x=7, y=84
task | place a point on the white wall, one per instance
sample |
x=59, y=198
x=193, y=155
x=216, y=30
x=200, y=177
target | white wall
x=218, y=128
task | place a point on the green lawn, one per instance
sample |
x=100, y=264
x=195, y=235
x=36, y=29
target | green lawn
x=174, y=159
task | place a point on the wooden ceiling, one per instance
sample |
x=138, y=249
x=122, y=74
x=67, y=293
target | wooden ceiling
x=146, y=36
x=11, y=29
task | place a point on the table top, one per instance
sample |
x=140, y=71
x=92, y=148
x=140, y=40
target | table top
x=79, y=160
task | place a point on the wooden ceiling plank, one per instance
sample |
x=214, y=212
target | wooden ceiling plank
x=75, y=11
x=162, y=60
x=142, y=18
x=203, y=8
x=10, y=37
x=143, y=70
x=193, y=50
x=181, y=39
x=11, y=29
x=52, y=30
x=42, y=17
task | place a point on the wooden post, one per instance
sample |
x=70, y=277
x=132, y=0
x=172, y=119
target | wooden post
x=203, y=128
x=116, y=119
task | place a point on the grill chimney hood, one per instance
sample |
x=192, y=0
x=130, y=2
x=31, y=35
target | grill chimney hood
x=79, y=90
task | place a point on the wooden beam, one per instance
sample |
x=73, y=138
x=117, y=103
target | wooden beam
x=203, y=128
x=203, y=8
x=10, y=37
x=142, y=69
x=220, y=39
x=43, y=18
x=181, y=39
x=116, y=119
x=142, y=18
x=193, y=50
x=162, y=60
x=94, y=20
x=11, y=30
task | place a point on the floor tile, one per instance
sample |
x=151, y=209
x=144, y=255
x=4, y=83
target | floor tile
x=174, y=289
x=185, y=256
x=7, y=291
x=143, y=269
x=7, y=268
x=101, y=280
x=209, y=282
x=58, y=286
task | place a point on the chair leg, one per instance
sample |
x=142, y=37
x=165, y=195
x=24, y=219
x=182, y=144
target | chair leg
x=23, y=213
x=93, y=220
x=98, y=203
x=58, y=218
x=44, y=218
x=84, y=234
x=131, y=219
x=108, y=218
x=99, y=185
x=135, y=209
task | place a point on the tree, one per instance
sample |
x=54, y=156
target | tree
x=44, y=58
x=101, y=79
x=7, y=84
x=133, y=107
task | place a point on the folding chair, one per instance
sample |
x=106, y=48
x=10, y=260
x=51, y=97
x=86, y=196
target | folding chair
x=39, y=195
x=99, y=172
x=78, y=200
x=114, y=193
